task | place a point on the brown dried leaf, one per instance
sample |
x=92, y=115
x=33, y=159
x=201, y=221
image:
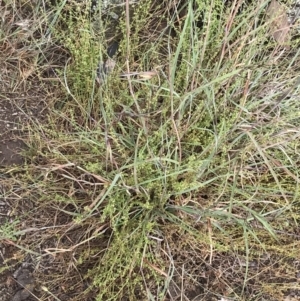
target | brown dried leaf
x=279, y=24
x=25, y=73
x=145, y=75
x=24, y=24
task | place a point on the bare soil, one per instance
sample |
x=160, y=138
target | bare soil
x=10, y=146
x=19, y=105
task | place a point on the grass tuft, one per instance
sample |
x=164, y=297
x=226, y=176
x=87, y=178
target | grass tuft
x=181, y=186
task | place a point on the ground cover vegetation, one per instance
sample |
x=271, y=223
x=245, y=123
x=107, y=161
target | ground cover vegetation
x=175, y=177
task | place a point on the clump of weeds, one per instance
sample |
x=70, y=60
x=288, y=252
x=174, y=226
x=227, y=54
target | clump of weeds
x=177, y=176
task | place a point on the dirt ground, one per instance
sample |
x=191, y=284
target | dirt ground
x=9, y=123
x=19, y=105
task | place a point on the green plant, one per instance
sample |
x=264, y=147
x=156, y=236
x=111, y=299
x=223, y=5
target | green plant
x=176, y=184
